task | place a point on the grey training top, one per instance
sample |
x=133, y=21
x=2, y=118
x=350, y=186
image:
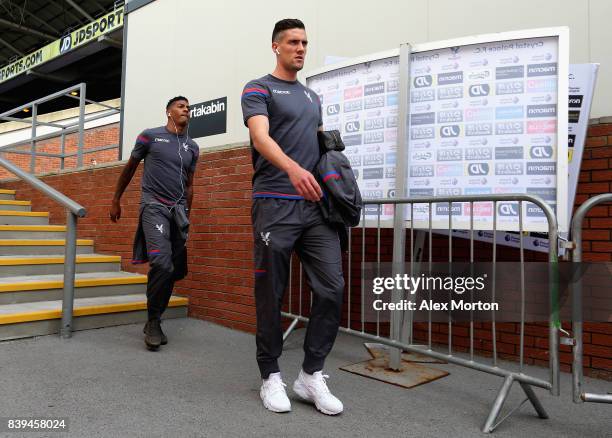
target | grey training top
x=169, y=159
x=294, y=114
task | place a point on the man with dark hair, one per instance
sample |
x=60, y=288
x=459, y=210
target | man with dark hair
x=283, y=117
x=167, y=191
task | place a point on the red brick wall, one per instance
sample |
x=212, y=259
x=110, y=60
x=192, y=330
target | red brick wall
x=96, y=137
x=220, y=281
x=596, y=178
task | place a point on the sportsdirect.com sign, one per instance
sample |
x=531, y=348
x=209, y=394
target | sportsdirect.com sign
x=103, y=25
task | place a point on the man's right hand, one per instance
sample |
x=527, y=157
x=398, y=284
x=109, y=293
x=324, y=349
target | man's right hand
x=305, y=183
x=115, y=211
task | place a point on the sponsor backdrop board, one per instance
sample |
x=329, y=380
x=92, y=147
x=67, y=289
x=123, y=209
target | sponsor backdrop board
x=483, y=120
x=361, y=101
x=582, y=78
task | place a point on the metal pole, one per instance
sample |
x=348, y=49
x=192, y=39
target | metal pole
x=553, y=278
x=577, y=366
x=69, y=272
x=597, y=398
x=349, y=275
x=399, y=228
x=82, y=90
x=378, y=262
x=522, y=323
x=450, y=271
x=290, y=328
x=535, y=402
x=407, y=315
x=497, y=405
x=363, y=254
x=33, y=142
x=472, y=276
x=494, y=285
x=290, y=282
x=577, y=370
x=63, y=151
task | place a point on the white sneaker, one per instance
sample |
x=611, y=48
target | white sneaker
x=273, y=394
x=314, y=389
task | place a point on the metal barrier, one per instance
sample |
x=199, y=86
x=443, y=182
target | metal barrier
x=577, y=370
x=401, y=330
x=73, y=211
x=78, y=126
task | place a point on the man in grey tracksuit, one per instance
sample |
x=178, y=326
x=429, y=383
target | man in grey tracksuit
x=283, y=117
x=167, y=191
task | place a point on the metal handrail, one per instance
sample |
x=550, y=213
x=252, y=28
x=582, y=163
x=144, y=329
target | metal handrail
x=58, y=197
x=74, y=211
x=579, y=395
x=42, y=100
x=66, y=129
x=74, y=92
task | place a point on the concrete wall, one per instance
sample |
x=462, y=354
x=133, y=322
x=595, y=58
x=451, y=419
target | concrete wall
x=206, y=50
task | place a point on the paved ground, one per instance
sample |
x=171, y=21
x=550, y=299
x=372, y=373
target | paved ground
x=205, y=383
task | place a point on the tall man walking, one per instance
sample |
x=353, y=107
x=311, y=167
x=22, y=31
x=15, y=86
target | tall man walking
x=167, y=191
x=283, y=117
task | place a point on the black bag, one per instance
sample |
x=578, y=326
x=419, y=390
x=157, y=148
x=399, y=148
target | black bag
x=342, y=203
x=330, y=141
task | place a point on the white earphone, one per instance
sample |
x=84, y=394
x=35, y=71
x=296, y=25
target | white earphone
x=277, y=51
x=180, y=157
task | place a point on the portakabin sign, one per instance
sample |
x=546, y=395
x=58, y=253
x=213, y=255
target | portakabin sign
x=208, y=118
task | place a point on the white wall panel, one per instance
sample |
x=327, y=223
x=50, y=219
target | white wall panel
x=210, y=49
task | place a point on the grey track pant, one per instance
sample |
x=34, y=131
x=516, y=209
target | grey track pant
x=281, y=226
x=167, y=257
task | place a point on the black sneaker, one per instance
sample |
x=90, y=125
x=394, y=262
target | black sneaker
x=153, y=334
x=164, y=338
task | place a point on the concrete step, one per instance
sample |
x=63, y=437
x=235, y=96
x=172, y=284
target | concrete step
x=13, y=205
x=43, y=318
x=41, y=246
x=26, y=289
x=32, y=231
x=11, y=266
x=8, y=217
x=7, y=194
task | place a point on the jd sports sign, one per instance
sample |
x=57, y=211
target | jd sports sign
x=208, y=118
x=90, y=32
